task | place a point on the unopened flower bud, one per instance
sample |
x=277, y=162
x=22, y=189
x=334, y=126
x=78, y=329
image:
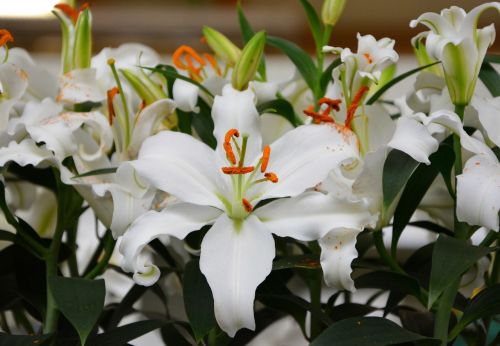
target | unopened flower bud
x=83, y=40
x=332, y=10
x=223, y=48
x=246, y=67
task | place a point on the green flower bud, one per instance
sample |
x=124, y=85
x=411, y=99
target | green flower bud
x=223, y=48
x=423, y=57
x=82, y=52
x=247, y=65
x=143, y=86
x=331, y=11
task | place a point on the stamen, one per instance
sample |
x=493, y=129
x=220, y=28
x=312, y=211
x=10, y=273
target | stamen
x=354, y=105
x=189, y=54
x=272, y=177
x=71, y=12
x=238, y=170
x=111, y=93
x=246, y=204
x=5, y=37
x=265, y=158
x=332, y=103
x=318, y=118
x=368, y=58
x=213, y=62
x=227, y=145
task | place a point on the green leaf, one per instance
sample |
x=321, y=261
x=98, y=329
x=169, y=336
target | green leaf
x=490, y=78
x=349, y=310
x=314, y=22
x=247, y=33
x=81, y=301
x=172, y=334
x=100, y=171
x=326, y=77
x=416, y=188
x=7, y=236
x=280, y=107
x=492, y=58
x=124, y=334
x=198, y=300
x=22, y=340
x=398, y=168
x=368, y=331
x=451, y=258
x=203, y=124
x=396, y=80
x=170, y=72
x=485, y=304
x=390, y=281
x=307, y=261
x=299, y=58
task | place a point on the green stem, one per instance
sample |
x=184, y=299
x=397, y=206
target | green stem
x=325, y=38
x=52, y=314
x=109, y=246
x=72, y=261
x=443, y=313
x=384, y=255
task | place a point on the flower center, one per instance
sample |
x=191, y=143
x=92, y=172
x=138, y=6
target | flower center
x=368, y=57
x=324, y=116
x=244, y=177
x=187, y=59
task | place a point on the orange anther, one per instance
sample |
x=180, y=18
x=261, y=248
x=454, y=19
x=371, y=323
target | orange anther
x=247, y=205
x=265, y=158
x=142, y=105
x=332, y=103
x=5, y=37
x=227, y=145
x=272, y=177
x=188, y=53
x=318, y=118
x=368, y=58
x=111, y=93
x=354, y=105
x=237, y=170
x=213, y=62
x=71, y=12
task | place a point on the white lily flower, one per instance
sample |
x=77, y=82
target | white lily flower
x=366, y=65
x=222, y=187
x=455, y=40
x=13, y=84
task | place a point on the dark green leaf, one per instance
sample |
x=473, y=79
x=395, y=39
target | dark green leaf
x=492, y=58
x=308, y=261
x=280, y=107
x=43, y=177
x=198, y=300
x=22, y=340
x=100, y=171
x=368, y=331
x=299, y=58
x=204, y=124
x=81, y=301
x=349, y=310
x=398, y=168
x=7, y=236
x=447, y=265
x=431, y=226
x=416, y=188
x=485, y=304
x=123, y=308
x=86, y=106
x=391, y=281
x=491, y=79
x=172, y=335
x=326, y=77
x=31, y=278
x=170, y=72
x=126, y=333
x=314, y=22
x=396, y=80
x=185, y=121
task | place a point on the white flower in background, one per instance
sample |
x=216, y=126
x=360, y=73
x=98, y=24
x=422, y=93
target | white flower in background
x=223, y=187
x=13, y=84
x=364, y=67
x=455, y=40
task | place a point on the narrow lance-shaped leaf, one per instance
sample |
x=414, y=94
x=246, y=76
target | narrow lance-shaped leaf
x=280, y=107
x=82, y=51
x=490, y=78
x=314, y=22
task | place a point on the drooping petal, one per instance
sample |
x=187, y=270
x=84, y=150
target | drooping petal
x=338, y=250
x=185, y=95
x=147, y=121
x=177, y=220
x=13, y=84
x=414, y=139
x=26, y=153
x=488, y=110
x=79, y=86
x=478, y=192
x=311, y=215
x=182, y=166
x=235, y=259
x=303, y=157
x=235, y=109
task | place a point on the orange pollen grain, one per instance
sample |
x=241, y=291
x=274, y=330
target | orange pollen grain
x=111, y=93
x=5, y=37
x=237, y=170
x=318, y=118
x=227, y=144
x=272, y=177
x=266, y=153
x=213, y=62
x=246, y=204
x=368, y=58
x=354, y=105
x=189, y=54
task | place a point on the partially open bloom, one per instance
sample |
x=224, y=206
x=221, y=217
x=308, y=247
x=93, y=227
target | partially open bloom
x=224, y=188
x=455, y=40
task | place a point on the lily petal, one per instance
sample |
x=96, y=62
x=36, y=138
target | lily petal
x=236, y=258
x=311, y=215
x=478, y=192
x=177, y=220
x=185, y=95
x=182, y=166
